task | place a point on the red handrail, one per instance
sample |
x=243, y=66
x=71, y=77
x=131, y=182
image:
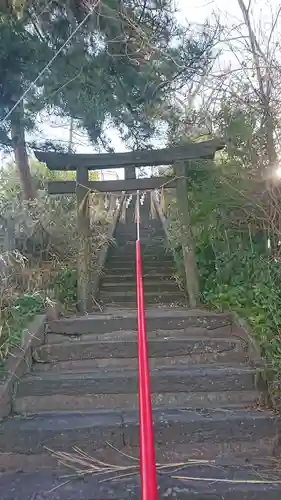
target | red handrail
x=147, y=449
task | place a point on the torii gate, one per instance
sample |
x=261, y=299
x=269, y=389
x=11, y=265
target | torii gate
x=178, y=157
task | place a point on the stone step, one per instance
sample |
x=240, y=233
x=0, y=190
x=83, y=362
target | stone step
x=147, y=258
x=130, y=335
x=147, y=238
x=259, y=452
x=211, y=481
x=131, y=305
x=154, y=258
x=63, y=401
x=173, y=346
x=144, y=229
x=156, y=319
x=129, y=300
x=131, y=277
x=131, y=294
x=148, y=243
x=92, y=430
x=150, y=286
x=148, y=269
x=246, y=452
x=86, y=365
x=165, y=380
x=147, y=251
x=130, y=249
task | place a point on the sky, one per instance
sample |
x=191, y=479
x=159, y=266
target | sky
x=193, y=11
x=53, y=129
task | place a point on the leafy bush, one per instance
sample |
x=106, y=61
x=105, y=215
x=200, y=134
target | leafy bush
x=237, y=270
x=250, y=284
x=43, y=265
x=15, y=314
x=65, y=287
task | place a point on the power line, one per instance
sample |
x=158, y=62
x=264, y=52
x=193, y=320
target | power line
x=51, y=61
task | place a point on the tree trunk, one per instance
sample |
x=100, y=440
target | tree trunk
x=21, y=158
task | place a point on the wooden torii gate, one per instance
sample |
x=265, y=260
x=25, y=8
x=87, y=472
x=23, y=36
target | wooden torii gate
x=179, y=157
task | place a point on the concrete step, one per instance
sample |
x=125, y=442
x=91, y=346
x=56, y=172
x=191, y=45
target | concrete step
x=130, y=277
x=147, y=251
x=147, y=258
x=145, y=230
x=163, y=258
x=228, y=483
x=149, y=227
x=88, y=401
x=148, y=269
x=146, y=238
x=153, y=265
x=91, y=430
x=194, y=482
x=131, y=306
x=153, y=239
x=242, y=453
x=170, y=299
x=172, y=346
x=75, y=390
x=146, y=241
x=85, y=365
x=156, y=319
x=150, y=286
x=120, y=294
x=128, y=335
x=165, y=380
x=149, y=243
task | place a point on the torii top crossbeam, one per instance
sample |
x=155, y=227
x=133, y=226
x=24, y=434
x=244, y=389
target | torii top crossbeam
x=141, y=158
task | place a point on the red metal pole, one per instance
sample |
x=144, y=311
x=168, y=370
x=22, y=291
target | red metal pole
x=147, y=449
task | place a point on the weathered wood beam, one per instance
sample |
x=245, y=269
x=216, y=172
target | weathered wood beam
x=84, y=243
x=69, y=187
x=142, y=158
x=130, y=173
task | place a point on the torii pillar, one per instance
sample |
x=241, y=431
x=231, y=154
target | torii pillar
x=130, y=173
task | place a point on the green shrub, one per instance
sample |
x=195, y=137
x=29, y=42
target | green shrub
x=16, y=314
x=236, y=268
x=65, y=287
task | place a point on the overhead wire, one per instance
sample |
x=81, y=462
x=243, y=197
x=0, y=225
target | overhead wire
x=145, y=40
x=47, y=66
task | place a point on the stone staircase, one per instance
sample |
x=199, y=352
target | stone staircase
x=118, y=284
x=212, y=435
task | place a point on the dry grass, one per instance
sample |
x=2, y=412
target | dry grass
x=82, y=464
x=46, y=265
